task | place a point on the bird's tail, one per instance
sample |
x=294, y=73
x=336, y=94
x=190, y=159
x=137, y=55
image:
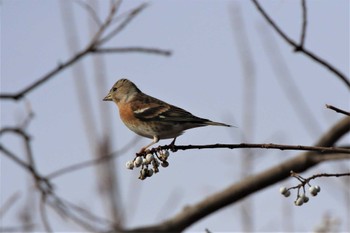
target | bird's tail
x=218, y=124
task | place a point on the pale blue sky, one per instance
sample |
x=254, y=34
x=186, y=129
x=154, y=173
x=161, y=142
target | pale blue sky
x=204, y=75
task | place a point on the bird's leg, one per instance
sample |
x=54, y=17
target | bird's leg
x=155, y=140
x=172, y=144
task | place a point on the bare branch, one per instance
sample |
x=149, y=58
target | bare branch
x=13, y=157
x=298, y=48
x=95, y=42
x=337, y=109
x=19, y=95
x=318, y=149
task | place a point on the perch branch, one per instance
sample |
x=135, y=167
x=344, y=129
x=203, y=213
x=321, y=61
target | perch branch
x=318, y=149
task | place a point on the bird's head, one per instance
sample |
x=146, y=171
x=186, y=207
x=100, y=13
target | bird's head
x=123, y=90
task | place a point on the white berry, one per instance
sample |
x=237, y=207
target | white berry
x=138, y=161
x=144, y=161
x=166, y=154
x=164, y=164
x=129, y=165
x=287, y=194
x=299, y=201
x=144, y=172
x=318, y=188
x=283, y=190
x=149, y=172
x=313, y=191
x=149, y=157
x=304, y=197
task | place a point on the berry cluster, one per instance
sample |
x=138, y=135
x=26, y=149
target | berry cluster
x=301, y=198
x=149, y=163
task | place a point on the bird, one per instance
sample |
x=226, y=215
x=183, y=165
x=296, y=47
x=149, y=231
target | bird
x=150, y=117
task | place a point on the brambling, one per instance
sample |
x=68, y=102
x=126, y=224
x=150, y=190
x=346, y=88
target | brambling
x=151, y=117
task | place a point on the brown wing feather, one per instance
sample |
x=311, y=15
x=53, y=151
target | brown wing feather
x=149, y=108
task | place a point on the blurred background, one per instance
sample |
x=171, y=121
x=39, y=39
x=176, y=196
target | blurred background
x=226, y=64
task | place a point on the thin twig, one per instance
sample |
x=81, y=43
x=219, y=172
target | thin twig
x=337, y=109
x=9, y=203
x=303, y=181
x=71, y=211
x=123, y=24
x=297, y=47
x=14, y=158
x=91, y=162
x=328, y=175
x=90, y=217
x=91, y=11
x=290, y=88
x=96, y=38
x=304, y=25
x=42, y=183
x=43, y=213
x=133, y=49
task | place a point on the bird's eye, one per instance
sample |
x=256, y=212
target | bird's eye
x=114, y=89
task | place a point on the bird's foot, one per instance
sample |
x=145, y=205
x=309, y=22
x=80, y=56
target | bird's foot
x=172, y=146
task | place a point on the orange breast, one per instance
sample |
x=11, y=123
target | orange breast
x=134, y=124
x=126, y=113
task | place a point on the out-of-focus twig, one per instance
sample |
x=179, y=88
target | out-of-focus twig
x=155, y=51
x=249, y=110
x=9, y=203
x=91, y=162
x=290, y=89
x=91, y=12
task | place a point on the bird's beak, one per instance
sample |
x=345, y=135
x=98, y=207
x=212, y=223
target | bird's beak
x=108, y=97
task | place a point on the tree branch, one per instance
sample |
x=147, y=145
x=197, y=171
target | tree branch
x=300, y=47
x=93, y=46
x=19, y=95
x=248, y=186
x=337, y=109
x=319, y=149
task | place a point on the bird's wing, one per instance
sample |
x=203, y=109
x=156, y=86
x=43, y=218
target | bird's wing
x=152, y=109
